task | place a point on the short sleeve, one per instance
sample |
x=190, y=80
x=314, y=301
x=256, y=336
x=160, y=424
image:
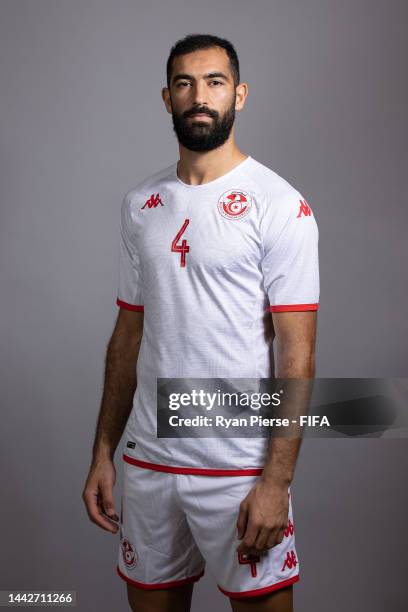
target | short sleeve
x=290, y=263
x=130, y=283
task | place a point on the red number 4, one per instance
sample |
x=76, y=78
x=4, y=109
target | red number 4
x=181, y=248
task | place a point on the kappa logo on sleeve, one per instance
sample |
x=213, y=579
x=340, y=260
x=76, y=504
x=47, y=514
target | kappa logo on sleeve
x=153, y=201
x=304, y=209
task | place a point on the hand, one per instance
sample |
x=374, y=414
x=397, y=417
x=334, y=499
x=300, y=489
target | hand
x=263, y=518
x=98, y=495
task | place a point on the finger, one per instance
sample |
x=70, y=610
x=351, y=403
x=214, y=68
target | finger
x=275, y=537
x=249, y=538
x=113, y=527
x=94, y=512
x=242, y=520
x=261, y=542
x=107, y=503
x=96, y=517
x=280, y=536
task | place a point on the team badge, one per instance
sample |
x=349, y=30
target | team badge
x=129, y=553
x=234, y=204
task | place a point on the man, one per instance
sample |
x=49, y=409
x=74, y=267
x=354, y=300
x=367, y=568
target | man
x=218, y=254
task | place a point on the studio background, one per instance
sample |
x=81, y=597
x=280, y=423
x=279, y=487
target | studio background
x=82, y=121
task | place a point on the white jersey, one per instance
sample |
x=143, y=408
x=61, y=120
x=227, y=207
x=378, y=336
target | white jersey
x=206, y=263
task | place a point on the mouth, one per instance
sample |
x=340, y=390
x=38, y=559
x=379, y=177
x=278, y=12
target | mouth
x=200, y=116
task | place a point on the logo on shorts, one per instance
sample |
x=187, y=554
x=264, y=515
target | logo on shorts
x=290, y=529
x=129, y=553
x=290, y=561
x=234, y=204
x=250, y=560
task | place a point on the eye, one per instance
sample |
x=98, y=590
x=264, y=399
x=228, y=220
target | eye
x=182, y=83
x=217, y=82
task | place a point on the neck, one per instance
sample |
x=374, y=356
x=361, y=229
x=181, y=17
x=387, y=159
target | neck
x=197, y=168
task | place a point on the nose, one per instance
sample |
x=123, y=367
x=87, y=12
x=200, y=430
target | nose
x=200, y=93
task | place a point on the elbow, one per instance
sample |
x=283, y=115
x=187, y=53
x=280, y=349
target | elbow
x=299, y=363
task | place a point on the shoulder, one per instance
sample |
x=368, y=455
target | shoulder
x=277, y=195
x=144, y=189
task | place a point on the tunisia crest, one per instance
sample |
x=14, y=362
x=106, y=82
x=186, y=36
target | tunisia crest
x=235, y=204
x=129, y=553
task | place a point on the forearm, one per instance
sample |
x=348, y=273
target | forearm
x=117, y=399
x=283, y=450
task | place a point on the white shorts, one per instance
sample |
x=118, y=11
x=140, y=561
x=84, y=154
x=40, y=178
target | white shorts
x=173, y=525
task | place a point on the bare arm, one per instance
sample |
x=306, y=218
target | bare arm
x=119, y=387
x=296, y=339
x=120, y=382
x=264, y=512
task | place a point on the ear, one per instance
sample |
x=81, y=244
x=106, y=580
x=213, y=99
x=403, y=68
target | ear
x=166, y=99
x=241, y=91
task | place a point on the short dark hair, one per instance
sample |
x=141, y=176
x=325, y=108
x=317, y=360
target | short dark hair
x=194, y=42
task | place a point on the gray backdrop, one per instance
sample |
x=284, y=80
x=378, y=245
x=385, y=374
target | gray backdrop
x=82, y=121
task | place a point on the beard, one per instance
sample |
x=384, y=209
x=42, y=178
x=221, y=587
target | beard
x=204, y=135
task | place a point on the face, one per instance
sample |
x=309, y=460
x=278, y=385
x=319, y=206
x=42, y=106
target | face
x=202, y=98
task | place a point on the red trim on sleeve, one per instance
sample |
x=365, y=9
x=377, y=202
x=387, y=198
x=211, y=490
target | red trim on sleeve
x=263, y=591
x=159, y=585
x=135, y=307
x=190, y=470
x=293, y=307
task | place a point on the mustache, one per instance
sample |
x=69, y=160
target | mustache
x=200, y=111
